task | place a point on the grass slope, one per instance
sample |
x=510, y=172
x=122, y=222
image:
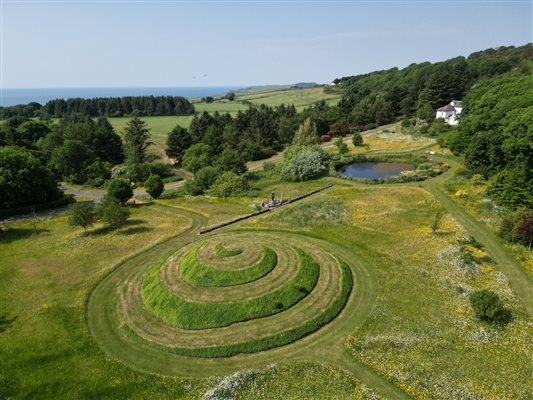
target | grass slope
x=190, y=315
x=201, y=275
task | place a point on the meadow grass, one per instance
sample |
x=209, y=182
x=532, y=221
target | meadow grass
x=405, y=325
x=423, y=322
x=47, y=270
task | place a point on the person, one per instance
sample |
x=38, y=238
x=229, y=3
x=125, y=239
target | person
x=273, y=195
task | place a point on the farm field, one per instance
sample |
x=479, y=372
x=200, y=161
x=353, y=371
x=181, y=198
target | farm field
x=301, y=98
x=372, y=245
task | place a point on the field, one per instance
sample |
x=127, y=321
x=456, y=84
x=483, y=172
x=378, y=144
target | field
x=301, y=98
x=346, y=294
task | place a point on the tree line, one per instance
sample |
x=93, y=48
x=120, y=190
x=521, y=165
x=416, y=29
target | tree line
x=103, y=107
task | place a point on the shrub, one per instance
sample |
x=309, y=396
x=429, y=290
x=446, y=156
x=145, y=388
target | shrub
x=229, y=184
x=342, y=147
x=154, y=186
x=269, y=168
x=193, y=188
x=159, y=168
x=304, y=166
x=518, y=227
x=120, y=189
x=111, y=212
x=205, y=177
x=461, y=194
x=477, y=179
x=357, y=139
x=82, y=214
x=488, y=306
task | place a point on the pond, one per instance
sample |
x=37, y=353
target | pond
x=372, y=170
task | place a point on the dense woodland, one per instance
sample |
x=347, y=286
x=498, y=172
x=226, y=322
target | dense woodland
x=494, y=135
x=381, y=97
x=103, y=107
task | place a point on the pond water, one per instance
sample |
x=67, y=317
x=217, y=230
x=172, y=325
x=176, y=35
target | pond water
x=372, y=170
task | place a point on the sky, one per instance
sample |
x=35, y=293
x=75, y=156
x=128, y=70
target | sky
x=57, y=44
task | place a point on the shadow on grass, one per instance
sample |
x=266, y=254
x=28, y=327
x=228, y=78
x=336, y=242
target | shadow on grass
x=10, y=235
x=6, y=323
x=138, y=229
x=107, y=229
x=140, y=205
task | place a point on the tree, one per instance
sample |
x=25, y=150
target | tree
x=106, y=143
x=136, y=138
x=357, y=139
x=437, y=219
x=510, y=189
x=524, y=231
x=112, y=213
x=29, y=132
x=178, y=140
x=82, y=214
x=340, y=128
x=229, y=184
x=120, y=189
x=488, y=306
x=230, y=96
x=306, y=134
x=342, y=147
x=197, y=156
x=424, y=110
x=71, y=159
x=518, y=227
x=231, y=160
x=285, y=131
x=154, y=186
x=24, y=180
x=204, y=178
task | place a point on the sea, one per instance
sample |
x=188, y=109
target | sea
x=10, y=97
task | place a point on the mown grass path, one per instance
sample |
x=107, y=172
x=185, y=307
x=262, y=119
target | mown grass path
x=327, y=345
x=519, y=279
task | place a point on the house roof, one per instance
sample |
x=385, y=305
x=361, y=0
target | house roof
x=447, y=107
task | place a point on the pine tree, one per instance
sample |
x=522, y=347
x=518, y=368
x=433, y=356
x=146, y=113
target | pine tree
x=178, y=140
x=136, y=137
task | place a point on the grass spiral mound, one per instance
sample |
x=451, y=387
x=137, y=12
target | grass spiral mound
x=235, y=292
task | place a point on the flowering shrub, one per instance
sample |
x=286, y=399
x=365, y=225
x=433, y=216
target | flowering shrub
x=304, y=166
x=461, y=194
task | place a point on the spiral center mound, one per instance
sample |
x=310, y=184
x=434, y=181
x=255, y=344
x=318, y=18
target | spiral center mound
x=240, y=292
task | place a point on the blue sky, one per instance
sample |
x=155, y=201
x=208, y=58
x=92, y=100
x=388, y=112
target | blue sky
x=125, y=43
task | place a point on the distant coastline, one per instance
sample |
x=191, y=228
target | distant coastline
x=10, y=97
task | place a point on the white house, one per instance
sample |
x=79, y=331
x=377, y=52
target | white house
x=450, y=112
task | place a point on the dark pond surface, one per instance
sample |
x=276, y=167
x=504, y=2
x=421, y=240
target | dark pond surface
x=372, y=170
